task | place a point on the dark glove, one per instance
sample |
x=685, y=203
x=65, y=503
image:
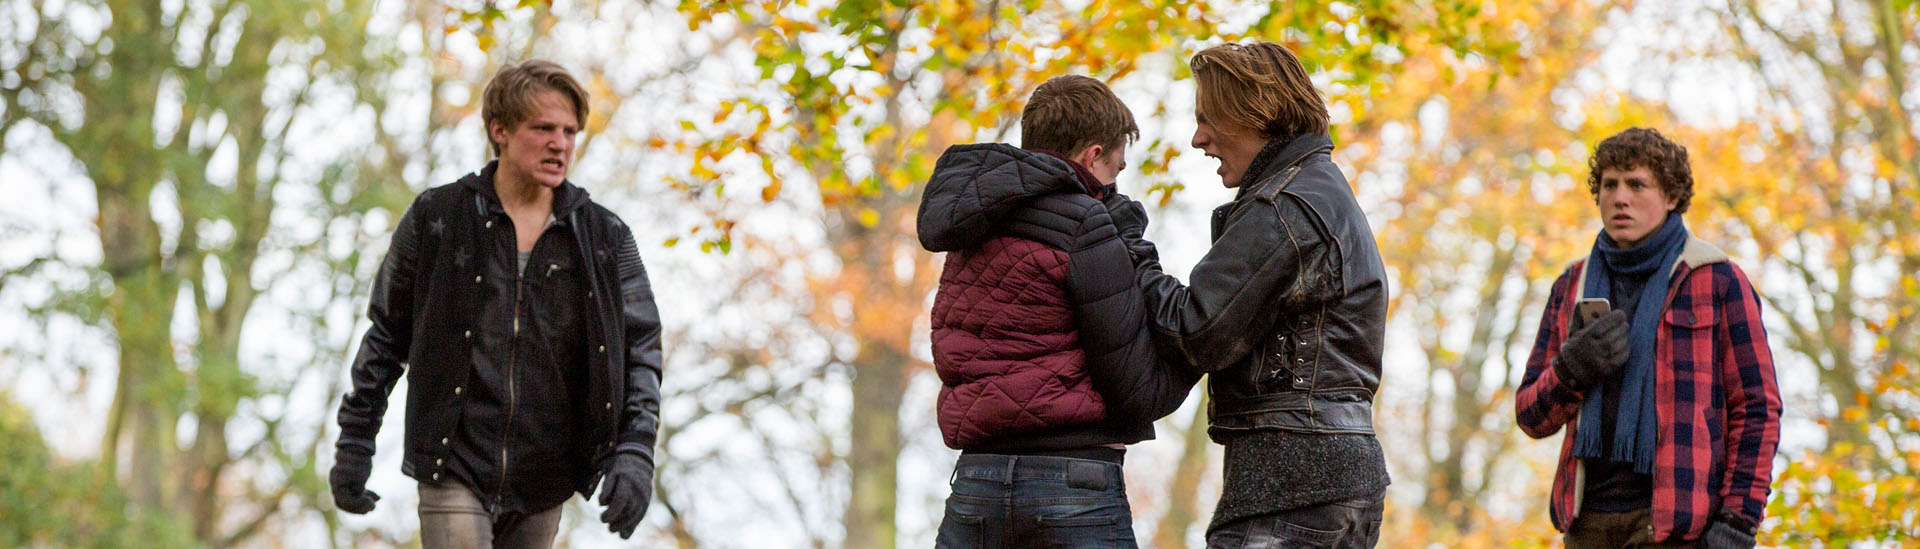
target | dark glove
x=1128, y=215
x=352, y=464
x=626, y=491
x=1594, y=352
x=1728, y=531
x=1130, y=219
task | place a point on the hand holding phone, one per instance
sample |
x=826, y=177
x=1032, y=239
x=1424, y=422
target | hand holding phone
x=1596, y=348
x=1592, y=308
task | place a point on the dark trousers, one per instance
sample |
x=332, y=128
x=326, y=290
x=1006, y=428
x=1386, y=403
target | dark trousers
x=1633, y=529
x=452, y=516
x=1350, y=523
x=1036, y=501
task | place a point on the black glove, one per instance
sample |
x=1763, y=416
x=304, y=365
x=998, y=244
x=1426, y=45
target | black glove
x=352, y=463
x=1128, y=215
x=626, y=491
x=1594, y=352
x=1130, y=218
x=1728, y=531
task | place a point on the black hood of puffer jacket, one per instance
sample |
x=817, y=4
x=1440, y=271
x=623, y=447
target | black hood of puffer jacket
x=975, y=185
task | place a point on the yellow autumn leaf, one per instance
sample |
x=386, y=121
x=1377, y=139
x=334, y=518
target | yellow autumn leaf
x=701, y=171
x=772, y=190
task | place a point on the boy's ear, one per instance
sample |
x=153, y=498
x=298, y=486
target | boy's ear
x=497, y=132
x=1089, y=154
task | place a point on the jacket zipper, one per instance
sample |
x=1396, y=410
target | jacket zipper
x=513, y=351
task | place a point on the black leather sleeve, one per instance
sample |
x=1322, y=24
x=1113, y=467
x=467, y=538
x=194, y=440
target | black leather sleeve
x=640, y=415
x=1109, y=312
x=1219, y=318
x=383, y=350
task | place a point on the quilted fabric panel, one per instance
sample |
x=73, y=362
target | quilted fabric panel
x=1004, y=344
x=974, y=184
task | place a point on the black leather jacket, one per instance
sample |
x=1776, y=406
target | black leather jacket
x=1287, y=311
x=426, y=305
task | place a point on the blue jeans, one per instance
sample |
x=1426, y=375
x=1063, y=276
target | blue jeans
x=1036, y=501
x=1350, y=523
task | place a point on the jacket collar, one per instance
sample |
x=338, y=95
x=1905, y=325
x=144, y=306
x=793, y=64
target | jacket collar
x=1091, y=184
x=1280, y=154
x=1698, y=253
x=1695, y=254
x=566, y=198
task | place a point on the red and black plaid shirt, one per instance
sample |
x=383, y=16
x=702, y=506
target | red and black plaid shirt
x=1718, y=407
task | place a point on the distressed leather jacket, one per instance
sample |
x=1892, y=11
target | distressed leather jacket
x=1287, y=311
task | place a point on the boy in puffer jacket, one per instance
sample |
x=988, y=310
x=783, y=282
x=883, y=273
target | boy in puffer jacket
x=1039, y=333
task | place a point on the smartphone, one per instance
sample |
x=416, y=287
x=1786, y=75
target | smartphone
x=1593, y=308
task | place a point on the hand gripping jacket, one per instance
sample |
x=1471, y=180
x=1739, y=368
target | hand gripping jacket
x=1288, y=310
x=1039, y=333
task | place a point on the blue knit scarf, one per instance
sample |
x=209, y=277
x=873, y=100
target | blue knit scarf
x=1633, y=431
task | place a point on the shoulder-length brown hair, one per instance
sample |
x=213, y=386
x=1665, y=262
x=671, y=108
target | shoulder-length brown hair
x=1259, y=86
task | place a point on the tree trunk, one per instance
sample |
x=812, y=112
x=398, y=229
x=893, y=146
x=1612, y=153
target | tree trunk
x=878, y=384
x=116, y=141
x=1183, y=497
x=141, y=308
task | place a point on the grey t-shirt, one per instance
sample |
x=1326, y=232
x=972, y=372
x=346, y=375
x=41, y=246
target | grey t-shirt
x=527, y=254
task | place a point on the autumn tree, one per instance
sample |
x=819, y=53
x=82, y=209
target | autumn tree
x=1809, y=183
x=241, y=153
x=1475, y=172
x=1824, y=186
x=855, y=100
x=1828, y=187
x=186, y=120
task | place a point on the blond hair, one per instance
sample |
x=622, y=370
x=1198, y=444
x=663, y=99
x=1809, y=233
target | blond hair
x=508, y=98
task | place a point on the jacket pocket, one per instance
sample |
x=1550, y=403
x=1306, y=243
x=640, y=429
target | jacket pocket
x=1691, y=347
x=1690, y=318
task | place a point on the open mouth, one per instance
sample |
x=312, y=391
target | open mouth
x=553, y=163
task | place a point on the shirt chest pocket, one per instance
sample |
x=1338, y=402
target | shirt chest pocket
x=1689, y=336
x=1689, y=318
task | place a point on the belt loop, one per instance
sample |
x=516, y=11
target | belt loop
x=1012, y=463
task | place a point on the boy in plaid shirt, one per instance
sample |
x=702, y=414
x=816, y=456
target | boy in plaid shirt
x=1669, y=400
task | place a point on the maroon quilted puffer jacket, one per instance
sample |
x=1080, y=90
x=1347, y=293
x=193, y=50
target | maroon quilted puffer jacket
x=1003, y=342
x=1039, y=331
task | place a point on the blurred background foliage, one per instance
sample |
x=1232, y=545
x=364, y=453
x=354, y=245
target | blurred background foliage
x=200, y=191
